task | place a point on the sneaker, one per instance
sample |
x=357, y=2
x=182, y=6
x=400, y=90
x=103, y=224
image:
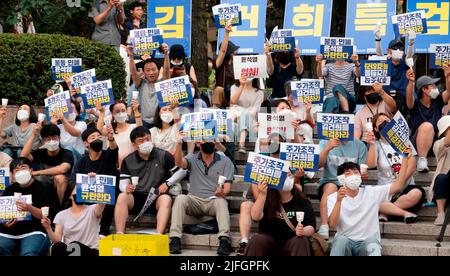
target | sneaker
x=410, y=218
x=439, y=219
x=324, y=231
x=422, y=165
x=175, y=245
x=382, y=218
x=309, y=175
x=241, y=250
x=224, y=246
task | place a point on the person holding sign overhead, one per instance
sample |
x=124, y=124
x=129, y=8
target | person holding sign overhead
x=353, y=210
x=425, y=113
x=388, y=163
x=28, y=236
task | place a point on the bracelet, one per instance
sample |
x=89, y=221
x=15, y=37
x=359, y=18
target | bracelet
x=377, y=39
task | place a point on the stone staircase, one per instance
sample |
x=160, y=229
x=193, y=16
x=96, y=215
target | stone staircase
x=398, y=238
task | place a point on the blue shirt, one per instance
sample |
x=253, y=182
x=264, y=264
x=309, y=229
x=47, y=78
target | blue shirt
x=399, y=81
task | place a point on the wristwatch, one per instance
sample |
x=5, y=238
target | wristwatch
x=168, y=184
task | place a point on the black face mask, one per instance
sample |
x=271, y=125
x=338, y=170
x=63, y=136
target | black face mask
x=373, y=98
x=381, y=126
x=96, y=145
x=208, y=147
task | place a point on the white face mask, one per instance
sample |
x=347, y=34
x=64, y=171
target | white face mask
x=71, y=117
x=23, y=115
x=121, y=117
x=52, y=145
x=23, y=177
x=174, y=63
x=397, y=54
x=434, y=93
x=288, y=184
x=353, y=182
x=166, y=117
x=146, y=148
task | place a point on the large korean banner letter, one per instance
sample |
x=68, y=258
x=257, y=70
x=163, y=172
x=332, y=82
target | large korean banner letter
x=99, y=189
x=272, y=170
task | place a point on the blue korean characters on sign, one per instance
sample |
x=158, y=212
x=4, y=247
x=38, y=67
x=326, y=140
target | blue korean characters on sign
x=375, y=72
x=178, y=89
x=439, y=55
x=437, y=13
x=65, y=67
x=83, y=78
x=146, y=41
x=227, y=14
x=199, y=125
x=335, y=126
x=99, y=189
x=224, y=120
x=9, y=211
x=174, y=18
x=249, y=36
x=4, y=179
x=307, y=91
x=310, y=21
x=100, y=92
x=58, y=103
x=413, y=21
x=272, y=170
x=396, y=133
x=363, y=16
x=304, y=156
x=282, y=40
x=336, y=48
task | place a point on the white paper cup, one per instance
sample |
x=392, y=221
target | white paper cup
x=363, y=168
x=135, y=180
x=44, y=211
x=135, y=95
x=300, y=216
x=222, y=180
x=4, y=102
x=369, y=126
x=17, y=196
x=41, y=117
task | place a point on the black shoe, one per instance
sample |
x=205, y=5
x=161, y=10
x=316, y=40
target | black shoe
x=241, y=250
x=224, y=246
x=175, y=245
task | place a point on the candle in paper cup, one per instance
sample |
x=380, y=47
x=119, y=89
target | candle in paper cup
x=107, y=122
x=44, y=211
x=222, y=180
x=135, y=94
x=4, y=102
x=363, y=168
x=17, y=196
x=135, y=180
x=300, y=216
x=369, y=126
x=410, y=62
x=41, y=117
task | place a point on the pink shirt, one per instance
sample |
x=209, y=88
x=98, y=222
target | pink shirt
x=366, y=115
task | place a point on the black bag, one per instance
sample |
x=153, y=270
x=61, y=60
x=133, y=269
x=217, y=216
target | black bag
x=207, y=227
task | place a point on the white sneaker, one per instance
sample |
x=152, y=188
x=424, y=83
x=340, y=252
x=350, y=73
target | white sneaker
x=439, y=219
x=324, y=231
x=309, y=175
x=422, y=165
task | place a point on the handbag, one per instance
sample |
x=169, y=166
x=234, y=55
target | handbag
x=318, y=244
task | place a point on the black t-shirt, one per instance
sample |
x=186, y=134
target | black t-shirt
x=224, y=73
x=277, y=227
x=420, y=114
x=280, y=76
x=41, y=157
x=42, y=195
x=106, y=164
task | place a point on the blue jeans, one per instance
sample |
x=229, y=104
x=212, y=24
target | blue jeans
x=343, y=246
x=34, y=245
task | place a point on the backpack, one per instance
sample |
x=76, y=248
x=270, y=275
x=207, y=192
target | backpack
x=207, y=227
x=91, y=22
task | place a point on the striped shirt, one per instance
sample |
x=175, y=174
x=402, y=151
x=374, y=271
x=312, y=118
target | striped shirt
x=344, y=75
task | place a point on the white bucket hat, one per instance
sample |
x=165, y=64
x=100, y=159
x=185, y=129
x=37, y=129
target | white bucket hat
x=443, y=124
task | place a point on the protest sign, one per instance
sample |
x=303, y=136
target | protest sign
x=375, y=71
x=335, y=126
x=100, y=92
x=269, y=123
x=272, y=170
x=227, y=13
x=82, y=78
x=396, y=133
x=65, y=67
x=58, y=103
x=146, y=41
x=4, y=179
x=250, y=66
x=307, y=91
x=440, y=55
x=174, y=89
x=282, y=40
x=99, y=189
x=336, y=48
x=407, y=22
x=8, y=209
x=224, y=120
x=305, y=156
x=199, y=125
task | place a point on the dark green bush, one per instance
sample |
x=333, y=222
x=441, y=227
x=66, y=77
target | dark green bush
x=25, y=64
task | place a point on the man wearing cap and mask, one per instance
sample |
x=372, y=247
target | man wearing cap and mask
x=206, y=197
x=425, y=113
x=99, y=161
x=177, y=57
x=223, y=65
x=55, y=163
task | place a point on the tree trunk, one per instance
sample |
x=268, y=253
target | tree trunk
x=199, y=56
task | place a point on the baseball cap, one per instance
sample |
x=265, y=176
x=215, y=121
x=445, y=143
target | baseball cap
x=425, y=80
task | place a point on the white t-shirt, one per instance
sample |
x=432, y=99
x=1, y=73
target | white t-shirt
x=165, y=139
x=359, y=215
x=389, y=163
x=83, y=229
x=68, y=140
x=123, y=141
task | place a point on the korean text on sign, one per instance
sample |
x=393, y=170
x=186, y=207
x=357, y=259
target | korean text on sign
x=250, y=66
x=83, y=78
x=440, y=55
x=272, y=170
x=310, y=21
x=336, y=48
x=4, y=179
x=269, y=123
x=174, y=89
x=199, y=125
x=224, y=120
x=335, y=126
x=58, y=103
x=375, y=71
x=99, y=92
x=282, y=40
x=303, y=156
x=65, y=67
x=146, y=41
x=8, y=208
x=413, y=21
x=225, y=13
x=307, y=91
x=99, y=189
x=396, y=133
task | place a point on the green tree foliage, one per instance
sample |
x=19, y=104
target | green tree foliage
x=25, y=64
